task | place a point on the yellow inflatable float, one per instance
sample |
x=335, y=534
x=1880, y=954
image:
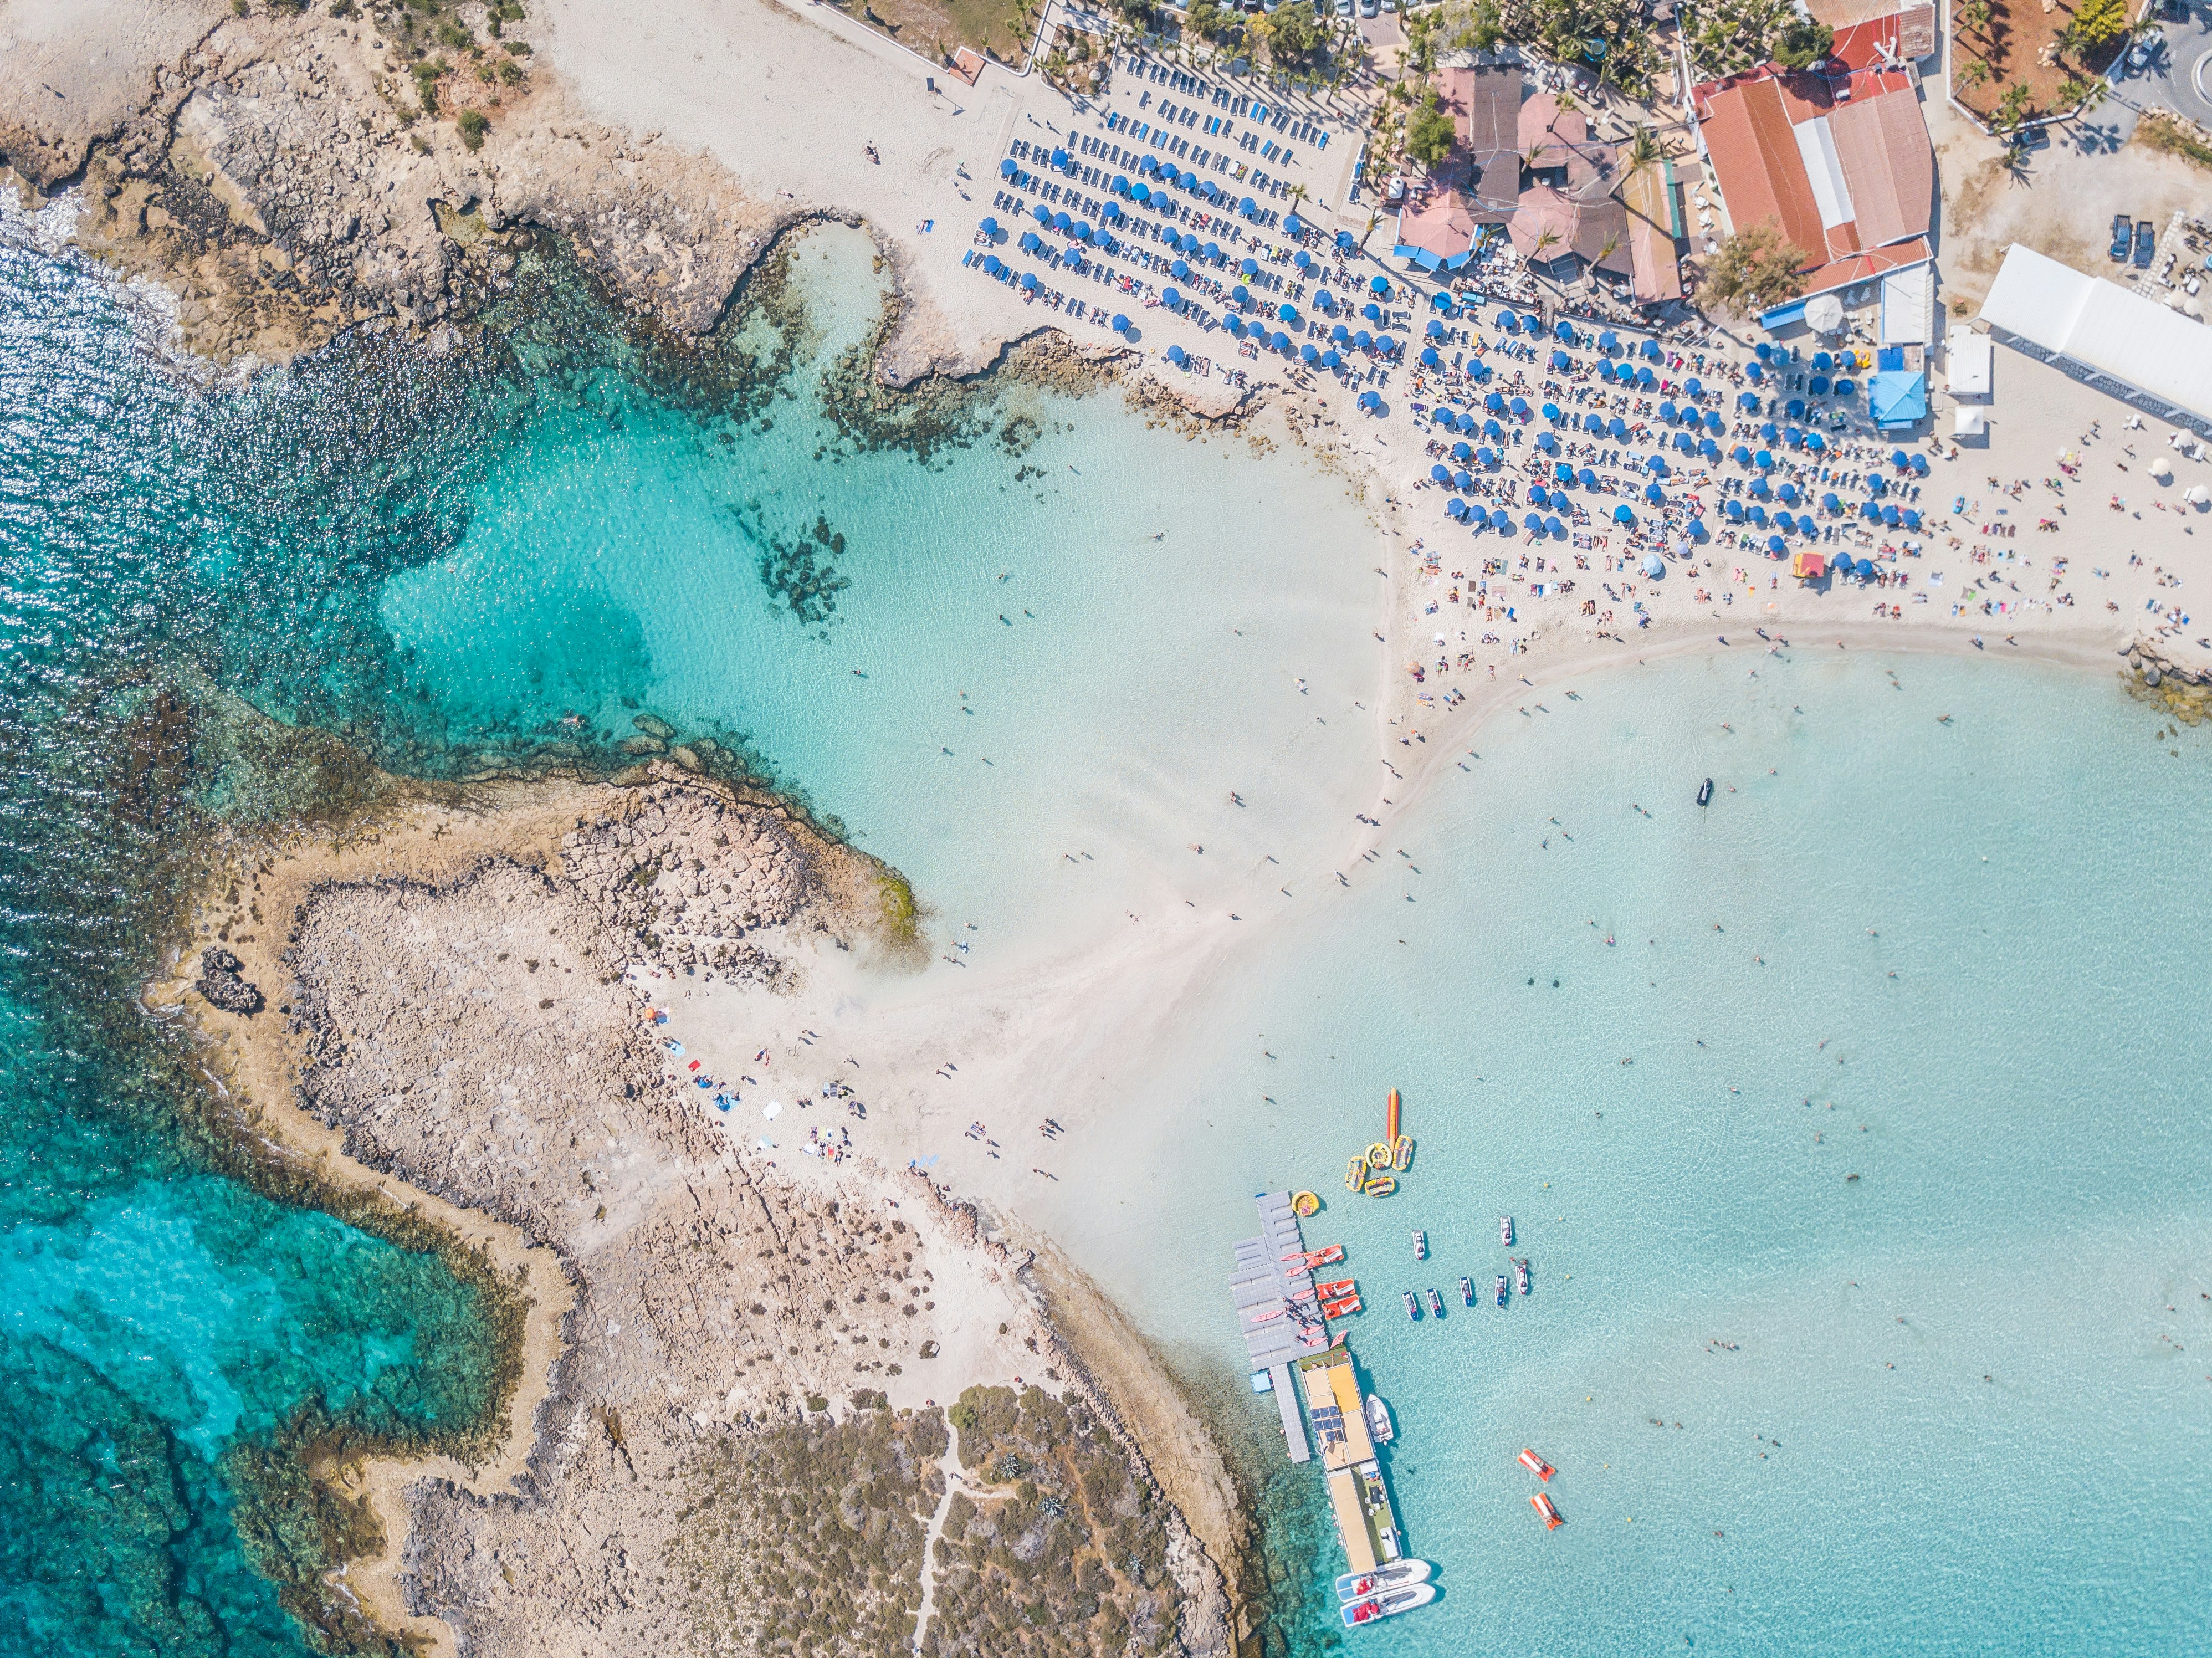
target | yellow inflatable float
x=1354, y=1173
x=1401, y=1153
x=1305, y=1205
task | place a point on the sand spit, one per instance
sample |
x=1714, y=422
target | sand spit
x=730, y=1431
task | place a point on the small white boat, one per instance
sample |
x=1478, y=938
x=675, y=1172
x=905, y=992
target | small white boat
x=1505, y=1230
x=1420, y=1244
x=1389, y=1604
x=1378, y=1420
x=1358, y=1585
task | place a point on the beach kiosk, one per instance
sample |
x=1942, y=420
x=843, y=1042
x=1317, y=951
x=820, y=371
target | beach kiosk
x=1809, y=566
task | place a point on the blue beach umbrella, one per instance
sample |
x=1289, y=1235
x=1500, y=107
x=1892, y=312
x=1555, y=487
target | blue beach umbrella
x=1121, y=324
x=1870, y=509
x=1246, y=207
x=1042, y=213
x=1763, y=350
x=1554, y=527
x=1686, y=443
x=1491, y=430
x=1364, y=340
x=1920, y=465
x=1593, y=423
x=1815, y=442
x=1440, y=474
x=1371, y=313
x=1340, y=334
x=1187, y=180
x=1061, y=159
x=1060, y=221
x=1236, y=326
x=1832, y=502
x=1692, y=387
x=1739, y=455
x=1519, y=406
x=1697, y=531
x=1900, y=459
x=1384, y=344
x=1293, y=225
x=1764, y=460
x=1913, y=517
x=1547, y=443
x=1500, y=519
x=1121, y=185
x=1212, y=253
x=1177, y=354
x=1654, y=494
x=1379, y=284
x=1646, y=379
x=1330, y=360
x=1030, y=243
x=1818, y=385
x=1606, y=371
x=1171, y=299
x=1845, y=388
x=1608, y=341
x=1533, y=524
x=1714, y=423
x=1143, y=192
x=1345, y=240
x=1552, y=412
x=1754, y=373
x=1878, y=485
x=1030, y=281
x=1794, y=407
x=1655, y=464
x=1822, y=362
x=1464, y=479
x=1788, y=524
x=1587, y=479
x=1007, y=169
x=1733, y=510
x=1789, y=493
x=1430, y=359
x=1494, y=401
x=1624, y=515
x=1435, y=330
x=1460, y=451
x=1308, y=354
x=1776, y=544
x=1651, y=350
x=1563, y=473
x=1539, y=495
x=1302, y=259
x=1082, y=231
x=989, y=227
x=1747, y=400
x=1709, y=449
x=993, y=263
x=1509, y=322
x=1616, y=428
x=1286, y=314
x=1487, y=455
x=1179, y=270
x=1757, y=514
x=1561, y=359
x=1769, y=431
x=1240, y=295
x=1563, y=330
x=1890, y=516
x=1249, y=268
x=1669, y=413
x=1112, y=213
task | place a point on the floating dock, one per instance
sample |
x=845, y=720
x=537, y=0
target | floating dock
x=1277, y=1310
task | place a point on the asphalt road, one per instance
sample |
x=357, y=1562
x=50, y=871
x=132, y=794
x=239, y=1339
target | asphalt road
x=2179, y=77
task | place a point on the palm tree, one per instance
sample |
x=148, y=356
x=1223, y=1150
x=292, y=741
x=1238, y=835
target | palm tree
x=1545, y=238
x=1374, y=218
x=1645, y=149
x=1297, y=195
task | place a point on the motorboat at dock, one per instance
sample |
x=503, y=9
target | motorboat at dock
x=1358, y=1585
x=1378, y=1420
x=1389, y=1604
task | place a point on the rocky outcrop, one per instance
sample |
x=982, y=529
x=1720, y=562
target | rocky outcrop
x=279, y=174
x=220, y=983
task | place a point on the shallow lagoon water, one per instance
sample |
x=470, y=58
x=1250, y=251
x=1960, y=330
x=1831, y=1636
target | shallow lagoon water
x=1665, y=1045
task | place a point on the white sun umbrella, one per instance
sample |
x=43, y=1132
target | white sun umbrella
x=2161, y=469
x=2196, y=494
x=1824, y=313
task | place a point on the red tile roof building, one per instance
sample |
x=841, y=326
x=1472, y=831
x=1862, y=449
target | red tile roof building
x=1843, y=166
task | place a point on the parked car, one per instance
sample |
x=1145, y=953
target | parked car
x=2124, y=235
x=2146, y=243
x=1369, y=8
x=2145, y=48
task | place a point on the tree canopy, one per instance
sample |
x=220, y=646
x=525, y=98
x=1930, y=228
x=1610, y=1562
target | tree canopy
x=1757, y=267
x=1428, y=133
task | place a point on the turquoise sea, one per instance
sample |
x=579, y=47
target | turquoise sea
x=1024, y=647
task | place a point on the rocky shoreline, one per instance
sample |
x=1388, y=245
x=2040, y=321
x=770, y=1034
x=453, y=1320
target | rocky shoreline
x=451, y=1013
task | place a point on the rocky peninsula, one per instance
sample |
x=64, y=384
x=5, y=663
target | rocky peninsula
x=766, y=1403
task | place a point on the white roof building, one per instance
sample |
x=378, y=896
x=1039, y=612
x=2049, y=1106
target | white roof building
x=2102, y=333
x=1967, y=358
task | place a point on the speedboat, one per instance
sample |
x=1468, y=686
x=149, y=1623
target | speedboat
x=1420, y=1244
x=1521, y=1275
x=1358, y=1585
x=1389, y=1604
x=1535, y=1464
x=1413, y=1307
x=1467, y=1291
x=1541, y=1501
x=1499, y=1293
x=1436, y=1301
x=1505, y=1230
x=1378, y=1420
x=1706, y=792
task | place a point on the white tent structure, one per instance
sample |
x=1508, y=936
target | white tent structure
x=2105, y=336
x=1970, y=422
x=1966, y=356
